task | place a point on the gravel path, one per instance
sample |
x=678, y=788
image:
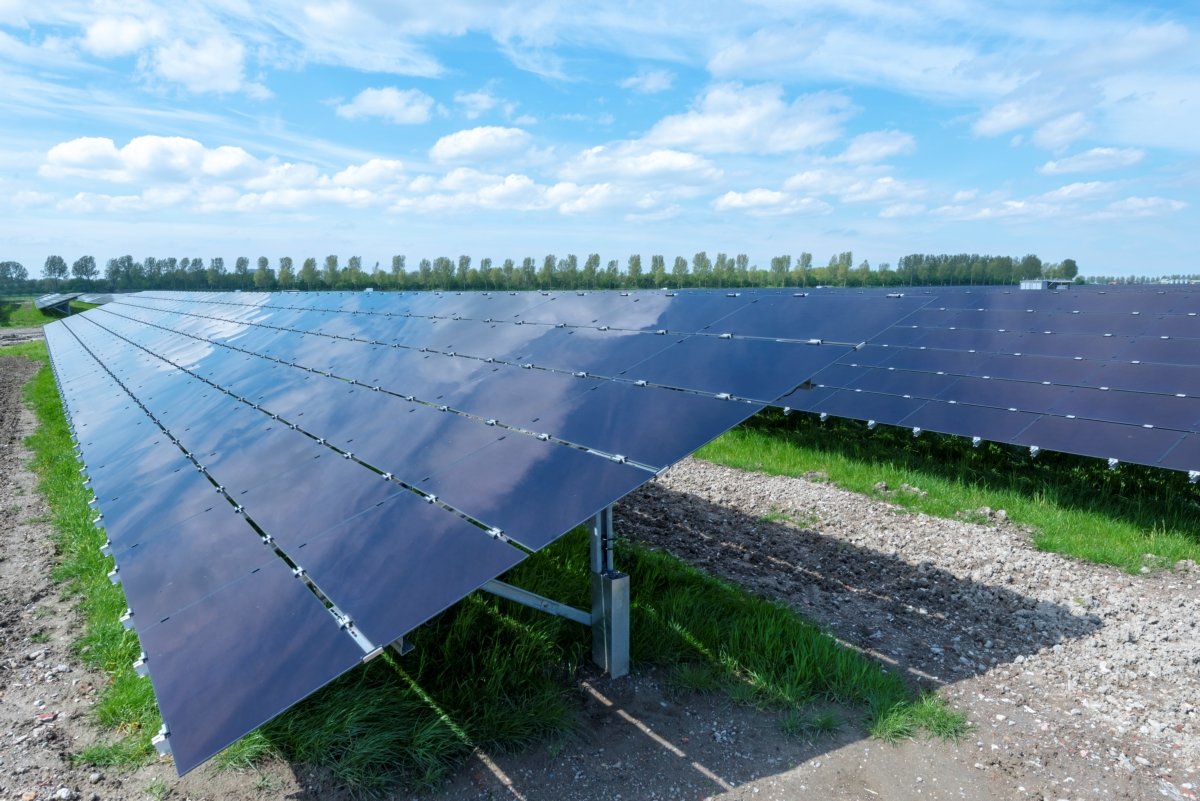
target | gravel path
x=1065, y=667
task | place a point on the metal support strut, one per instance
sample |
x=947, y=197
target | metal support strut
x=609, y=617
x=610, y=600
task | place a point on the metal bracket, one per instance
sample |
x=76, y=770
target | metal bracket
x=161, y=741
x=535, y=601
x=609, y=616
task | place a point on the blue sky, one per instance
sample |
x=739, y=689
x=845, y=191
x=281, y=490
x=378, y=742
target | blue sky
x=227, y=127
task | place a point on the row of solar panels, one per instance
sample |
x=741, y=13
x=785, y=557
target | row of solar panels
x=1078, y=393
x=289, y=481
x=399, y=481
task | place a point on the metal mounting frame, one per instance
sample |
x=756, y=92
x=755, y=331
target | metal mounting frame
x=609, y=616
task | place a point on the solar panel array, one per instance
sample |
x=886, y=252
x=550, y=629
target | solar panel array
x=58, y=301
x=1108, y=374
x=289, y=482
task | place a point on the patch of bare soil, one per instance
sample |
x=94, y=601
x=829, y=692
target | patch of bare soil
x=1080, y=680
x=15, y=336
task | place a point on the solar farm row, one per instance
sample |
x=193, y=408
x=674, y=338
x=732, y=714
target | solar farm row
x=289, y=482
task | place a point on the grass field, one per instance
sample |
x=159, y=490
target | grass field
x=1133, y=516
x=20, y=313
x=486, y=672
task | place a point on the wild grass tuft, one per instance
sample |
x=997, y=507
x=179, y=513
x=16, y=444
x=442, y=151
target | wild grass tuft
x=1075, y=506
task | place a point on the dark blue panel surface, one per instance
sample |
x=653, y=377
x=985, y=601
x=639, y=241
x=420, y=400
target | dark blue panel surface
x=1125, y=443
x=175, y=566
x=531, y=490
x=746, y=368
x=232, y=661
x=995, y=425
x=666, y=426
x=400, y=562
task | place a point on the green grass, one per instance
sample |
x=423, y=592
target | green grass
x=1074, y=506
x=20, y=313
x=126, y=704
x=486, y=673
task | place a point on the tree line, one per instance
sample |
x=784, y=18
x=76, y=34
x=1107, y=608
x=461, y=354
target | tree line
x=126, y=274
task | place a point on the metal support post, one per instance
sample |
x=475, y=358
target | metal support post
x=610, y=600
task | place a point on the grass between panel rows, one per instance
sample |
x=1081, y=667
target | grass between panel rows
x=1132, y=517
x=485, y=673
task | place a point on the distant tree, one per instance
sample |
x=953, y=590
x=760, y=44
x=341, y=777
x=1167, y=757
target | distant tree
x=464, y=267
x=634, y=269
x=241, y=269
x=780, y=266
x=308, y=273
x=701, y=268
x=287, y=273
x=84, y=267
x=331, y=273
x=262, y=274
x=55, y=268
x=1030, y=267
x=12, y=274
x=568, y=271
x=545, y=276
x=443, y=272
x=658, y=271
x=398, y=270
x=216, y=272
x=591, y=266
x=679, y=272
x=1068, y=269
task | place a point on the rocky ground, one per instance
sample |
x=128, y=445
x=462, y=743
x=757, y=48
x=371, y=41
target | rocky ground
x=1082, y=682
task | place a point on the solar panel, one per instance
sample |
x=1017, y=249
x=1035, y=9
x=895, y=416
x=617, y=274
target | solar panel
x=296, y=480
x=387, y=458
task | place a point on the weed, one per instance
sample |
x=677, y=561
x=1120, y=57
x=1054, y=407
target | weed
x=39, y=637
x=809, y=725
x=158, y=790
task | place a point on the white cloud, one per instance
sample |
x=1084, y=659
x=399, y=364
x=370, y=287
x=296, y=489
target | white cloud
x=1014, y=114
x=902, y=210
x=877, y=146
x=1139, y=207
x=476, y=104
x=730, y=118
x=648, y=82
x=1062, y=131
x=214, y=64
x=1079, y=191
x=635, y=161
x=768, y=202
x=374, y=173
x=1094, y=160
x=867, y=54
x=401, y=106
x=285, y=176
x=109, y=37
x=486, y=142
x=155, y=159
x=858, y=185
